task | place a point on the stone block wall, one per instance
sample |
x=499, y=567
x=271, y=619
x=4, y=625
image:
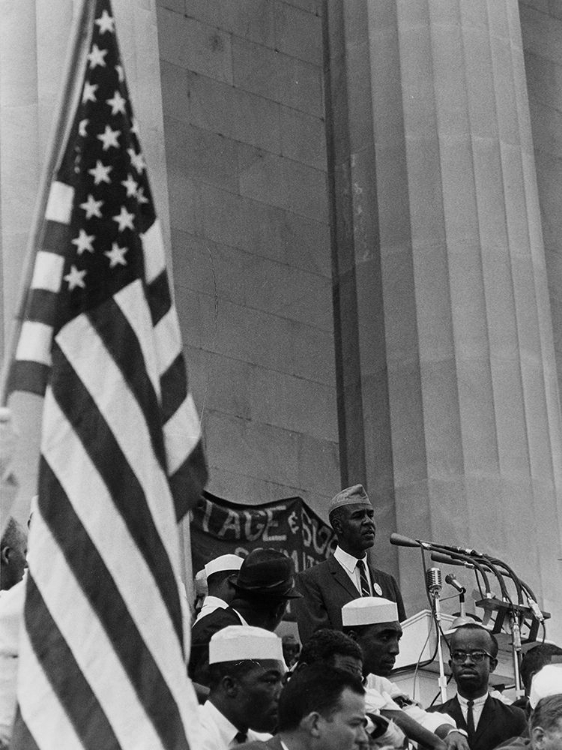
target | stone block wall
x=242, y=89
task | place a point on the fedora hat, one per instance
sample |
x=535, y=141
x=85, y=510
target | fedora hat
x=267, y=572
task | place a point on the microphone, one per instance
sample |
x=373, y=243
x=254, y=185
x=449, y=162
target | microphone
x=443, y=558
x=451, y=579
x=461, y=550
x=433, y=581
x=404, y=541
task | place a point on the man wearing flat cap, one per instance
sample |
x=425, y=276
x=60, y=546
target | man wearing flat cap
x=373, y=624
x=347, y=574
x=263, y=586
x=246, y=668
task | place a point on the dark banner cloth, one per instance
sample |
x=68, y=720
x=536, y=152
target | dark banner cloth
x=219, y=527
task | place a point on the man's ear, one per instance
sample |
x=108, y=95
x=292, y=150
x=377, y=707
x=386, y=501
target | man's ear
x=230, y=686
x=5, y=555
x=311, y=724
x=493, y=663
x=537, y=738
x=352, y=634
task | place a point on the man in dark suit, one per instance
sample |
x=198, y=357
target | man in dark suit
x=320, y=708
x=487, y=720
x=347, y=574
x=263, y=586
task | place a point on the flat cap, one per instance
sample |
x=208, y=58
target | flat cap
x=241, y=642
x=355, y=495
x=223, y=563
x=369, y=610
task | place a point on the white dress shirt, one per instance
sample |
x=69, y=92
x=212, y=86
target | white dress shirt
x=11, y=617
x=217, y=732
x=477, y=708
x=349, y=564
x=210, y=603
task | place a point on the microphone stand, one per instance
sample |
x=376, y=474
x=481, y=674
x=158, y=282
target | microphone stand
x=434, y=592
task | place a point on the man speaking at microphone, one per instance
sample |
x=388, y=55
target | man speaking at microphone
x=346, y=574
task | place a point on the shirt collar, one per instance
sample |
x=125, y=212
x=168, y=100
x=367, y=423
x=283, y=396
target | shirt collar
x=477, y=701
x=225, y=728
x=349, y=562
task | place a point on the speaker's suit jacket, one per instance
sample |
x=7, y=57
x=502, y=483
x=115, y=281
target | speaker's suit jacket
x=272, y=744
x=326, y=587
x=497, y=724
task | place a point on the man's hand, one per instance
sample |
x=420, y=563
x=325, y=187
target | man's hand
x=456, y=741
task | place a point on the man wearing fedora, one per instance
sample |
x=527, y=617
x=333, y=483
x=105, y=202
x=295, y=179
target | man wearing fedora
x=263, y=586
x=347, y=574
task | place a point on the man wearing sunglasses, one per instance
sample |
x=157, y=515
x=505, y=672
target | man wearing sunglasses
x=487, y=720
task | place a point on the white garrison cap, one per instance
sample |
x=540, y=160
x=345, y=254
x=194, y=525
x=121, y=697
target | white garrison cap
x=240, y=642
x=369, y=610
x=222, y=563
x=547, y=681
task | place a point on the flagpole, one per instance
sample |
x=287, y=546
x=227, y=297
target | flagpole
x=75, y=59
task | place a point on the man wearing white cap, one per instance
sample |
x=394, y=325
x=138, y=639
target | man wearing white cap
x=246, y=668
x=373, y=623
x=347, y=574
x=220, y=593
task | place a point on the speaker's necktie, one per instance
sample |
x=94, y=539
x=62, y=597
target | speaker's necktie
x=363, y=580
x=470, y=718
x=241, y=737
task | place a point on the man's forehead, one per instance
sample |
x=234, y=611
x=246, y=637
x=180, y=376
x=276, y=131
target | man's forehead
x=470, y=636
x=261, y=666
x=358, y=509
x=383, y=627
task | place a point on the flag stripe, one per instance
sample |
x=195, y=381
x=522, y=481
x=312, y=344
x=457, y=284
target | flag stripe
x=35, y=342
x=47, y=273
x=181, y=433
x=158, y=297
x=99, y=587
x=93, y=504
x=66, y=678
x=29, y=376
x=59, y=203
x=123, y=344
x=56, y=237
x=126, y=490
x=153, y=246
x=173, y=384
x=42, y=307
x=167, y=340
x=188, y=481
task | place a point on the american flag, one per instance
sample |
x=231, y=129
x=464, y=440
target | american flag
x=105, y=642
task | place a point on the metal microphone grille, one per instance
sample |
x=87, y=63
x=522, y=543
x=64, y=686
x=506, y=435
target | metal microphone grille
x=433, y=579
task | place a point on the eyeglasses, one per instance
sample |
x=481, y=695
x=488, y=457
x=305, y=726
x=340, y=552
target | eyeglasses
x=459, y=657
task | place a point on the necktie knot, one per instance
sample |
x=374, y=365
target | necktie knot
x=241, y=737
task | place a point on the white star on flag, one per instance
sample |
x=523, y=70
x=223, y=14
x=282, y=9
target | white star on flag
x=109, y=138
x=100, y=173
x=75, y=278
x=84, y=242
x=96, y=57
x=137, y=160
x=124, y=219
x=82, y=125
x=117, y=104
x=105, y=22
x=92, y=207
x=120, y=73
x=116, y=255
x=131, y=185
x=89, y=94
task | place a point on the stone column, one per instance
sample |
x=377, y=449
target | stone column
x=442, y=260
